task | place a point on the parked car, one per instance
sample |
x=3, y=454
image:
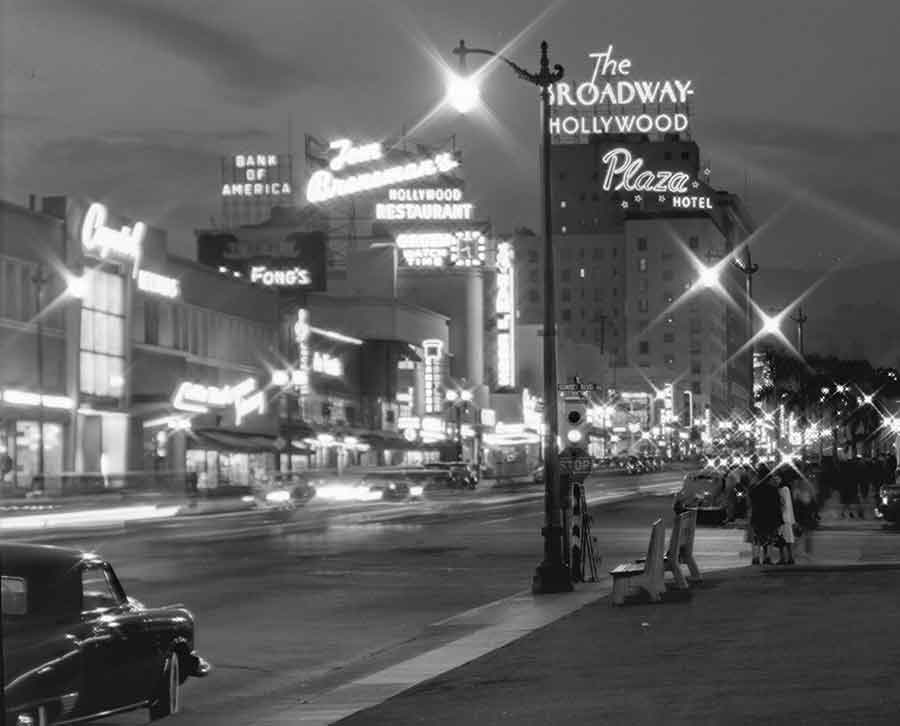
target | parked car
x=394, y=485
x=889, y=501
x=76, y=647
x=707, y=492
x=538, y=474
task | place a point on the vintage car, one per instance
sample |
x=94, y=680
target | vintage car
x=707, y=492
x=889, y=501
x=76, y=647
x=460, y=474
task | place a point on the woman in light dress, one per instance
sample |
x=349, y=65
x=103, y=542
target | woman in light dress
x=786, y=533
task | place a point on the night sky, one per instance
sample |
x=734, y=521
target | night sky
x=133, y=101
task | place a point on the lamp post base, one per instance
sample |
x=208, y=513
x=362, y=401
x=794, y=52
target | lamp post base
x=550, y=578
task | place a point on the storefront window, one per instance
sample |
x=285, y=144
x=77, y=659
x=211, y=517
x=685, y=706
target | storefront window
x=103, y=335
x=25, y=451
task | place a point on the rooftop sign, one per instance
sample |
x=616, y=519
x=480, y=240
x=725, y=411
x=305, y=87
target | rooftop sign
x=323, y=185
x=612, y=102
x=626, y=173
x=102, y=241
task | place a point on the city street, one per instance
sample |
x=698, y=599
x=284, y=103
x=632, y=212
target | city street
x=289, y=611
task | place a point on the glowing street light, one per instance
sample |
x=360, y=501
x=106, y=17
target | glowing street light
x=772, y=324
x=709, y=277
x=463, y=93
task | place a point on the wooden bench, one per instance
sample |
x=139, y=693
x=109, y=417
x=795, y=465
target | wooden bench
x=648, y=574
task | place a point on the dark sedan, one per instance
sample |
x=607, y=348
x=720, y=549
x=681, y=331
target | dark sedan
x=77, y=647
x=889, y=503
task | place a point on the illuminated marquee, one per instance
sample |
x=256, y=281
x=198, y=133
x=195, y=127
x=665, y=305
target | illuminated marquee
x=504, y=307
x=100, y=240
x=625, y=173
x=464, y=248
x=630, y=105
x=293, y=277
x=256, y=178
x=433, y=358
x=323, y=185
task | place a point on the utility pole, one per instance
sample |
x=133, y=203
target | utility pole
x=39, y=279
x=800, y=319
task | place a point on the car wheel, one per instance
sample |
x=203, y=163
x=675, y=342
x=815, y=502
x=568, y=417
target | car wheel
x=167, y=700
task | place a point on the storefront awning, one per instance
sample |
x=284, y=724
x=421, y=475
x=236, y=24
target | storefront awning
x=220, y=440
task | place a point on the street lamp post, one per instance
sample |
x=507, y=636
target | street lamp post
x=552, y=574
x=39, y=279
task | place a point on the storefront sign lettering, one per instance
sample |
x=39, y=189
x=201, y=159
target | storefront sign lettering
x=328, y=365
x=258, y=175
x=293, y=277
x=433, y=383
x=504, y=309
x=401, y=212
x=98, y=239
x=197, y=398
x=158, y=284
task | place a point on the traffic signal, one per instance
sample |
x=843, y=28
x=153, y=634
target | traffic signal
x=574, y=422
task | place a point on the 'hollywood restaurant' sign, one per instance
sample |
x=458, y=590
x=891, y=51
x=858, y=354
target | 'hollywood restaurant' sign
x=631, y=106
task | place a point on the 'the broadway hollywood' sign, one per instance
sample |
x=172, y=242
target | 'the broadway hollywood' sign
x=324, y=186
x=625, y=173
x=613, y=103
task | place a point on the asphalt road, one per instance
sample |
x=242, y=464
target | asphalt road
x=286, y=611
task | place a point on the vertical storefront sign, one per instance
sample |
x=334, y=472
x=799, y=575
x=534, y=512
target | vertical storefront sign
x=433, y=360
x=505, y=310
x=301, y=333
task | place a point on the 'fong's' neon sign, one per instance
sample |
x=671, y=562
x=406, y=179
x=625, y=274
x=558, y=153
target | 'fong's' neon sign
x=504, y=307
x=293, y=277
x=631, y=106
x=625, y=173
x=323, y=185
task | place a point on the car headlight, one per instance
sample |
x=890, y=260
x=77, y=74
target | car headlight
x=392, y=486
x=279, y=496
x=416, y=491
x=247, y=498
x=884, y=499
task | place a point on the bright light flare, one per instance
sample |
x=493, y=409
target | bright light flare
x=463, y=93
x=347, y=493
x=709, y=277
x=772, y=323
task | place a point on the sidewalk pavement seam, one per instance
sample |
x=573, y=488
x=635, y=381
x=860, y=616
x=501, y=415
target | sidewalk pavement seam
x=512, y=618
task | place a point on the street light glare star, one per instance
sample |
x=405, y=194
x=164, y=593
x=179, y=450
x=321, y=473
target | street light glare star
x=637, y=198
x=624, y=205
x=463, y=93
x=662, y=197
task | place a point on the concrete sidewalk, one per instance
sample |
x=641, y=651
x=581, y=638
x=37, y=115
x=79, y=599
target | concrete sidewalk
x=762, y=646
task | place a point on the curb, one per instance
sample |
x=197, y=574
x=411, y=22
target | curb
x=832, y=567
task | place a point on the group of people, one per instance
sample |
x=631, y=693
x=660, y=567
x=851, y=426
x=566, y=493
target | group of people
x=855, y=479
x=774, y=522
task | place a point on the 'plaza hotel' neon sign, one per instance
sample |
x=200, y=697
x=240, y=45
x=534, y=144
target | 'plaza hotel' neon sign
x=324, y=186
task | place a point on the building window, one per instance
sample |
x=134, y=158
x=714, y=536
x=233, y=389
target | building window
x=642, y=243
x=103, y=335
x=564, y=229
x=615, y=251
x=562, y=176
x=583, y=332
x=643, y=284
x=668, y=275
x=668, y=337
x=532, y=257
x=667, y=253
x=642, y=264
x=643, y=325
x=598, y=253
x=567, y=315
x=695, y=368
x=644, y=347
x=695, y=325
x=670, y=320
x=668, y=298
x=685, y=155
x=694, y=243
x=566, y=294
x=668, y=156
x=582, y=313
x=151, y=322
x=643, y=305
x=695, y=388
x=581, y=271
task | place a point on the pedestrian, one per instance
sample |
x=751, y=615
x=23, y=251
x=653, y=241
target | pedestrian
x=786, y=534
x=849, y=489
x=806, y=513
x=866, y=471
x=765, y=515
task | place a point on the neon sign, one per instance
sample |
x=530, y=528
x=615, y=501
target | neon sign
x=293, y=277
x=101, y=240
x=427, y=204
x=158, y=284
x=625, y=100
x=504, y=307
x=433, y=353
x=323, y=185
x=327, y=364
x=465, y=248
x=256, y=177
x=624, y=172
x=197, y=398
x=301, y=335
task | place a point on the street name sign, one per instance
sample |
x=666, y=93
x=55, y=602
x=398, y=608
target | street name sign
x=576, y=387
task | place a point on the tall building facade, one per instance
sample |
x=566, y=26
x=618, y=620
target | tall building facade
x=634, y=218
